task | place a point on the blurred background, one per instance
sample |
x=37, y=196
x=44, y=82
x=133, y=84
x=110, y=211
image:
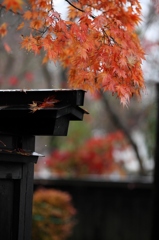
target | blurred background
x=22, y=70
x=106, y=162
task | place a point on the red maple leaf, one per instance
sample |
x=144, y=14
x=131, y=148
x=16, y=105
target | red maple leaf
x=47, y=103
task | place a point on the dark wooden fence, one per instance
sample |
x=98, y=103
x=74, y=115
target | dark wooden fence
x=108, y=210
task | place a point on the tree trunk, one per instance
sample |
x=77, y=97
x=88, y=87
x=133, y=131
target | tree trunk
x=119, y=124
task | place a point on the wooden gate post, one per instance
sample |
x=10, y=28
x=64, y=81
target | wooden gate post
x=18, y=127
x=16, y=186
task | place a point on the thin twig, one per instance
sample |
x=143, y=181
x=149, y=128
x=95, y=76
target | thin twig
x=3, y=143
x=10, y=10
x=79, y=9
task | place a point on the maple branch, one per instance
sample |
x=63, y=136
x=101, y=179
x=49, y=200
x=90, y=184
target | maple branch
x=10, y=10
x=42, y=32
x=79, y=9
x=117, y=122
x=48, y=76
x=110, y=39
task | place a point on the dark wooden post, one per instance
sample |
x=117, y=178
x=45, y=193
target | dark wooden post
x=18, y=128
x=16, y=186
x=155, y=212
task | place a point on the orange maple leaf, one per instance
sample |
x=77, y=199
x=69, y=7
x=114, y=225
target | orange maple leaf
x=36, y=24
x=3, y=29
x=20, y=26
x=131, y=60
x=27, y=15
x=15, y=5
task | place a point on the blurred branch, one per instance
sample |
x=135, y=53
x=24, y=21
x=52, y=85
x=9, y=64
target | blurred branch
x=47, y=75
x=118, y=124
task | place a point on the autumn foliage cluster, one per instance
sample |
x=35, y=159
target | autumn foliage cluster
x=97, y=42
x=95, y=156
x=53, y=214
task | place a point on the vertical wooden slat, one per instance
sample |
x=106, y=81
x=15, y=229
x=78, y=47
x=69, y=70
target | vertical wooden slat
x=6, y=209
x=16, y=187
x=155, y=212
